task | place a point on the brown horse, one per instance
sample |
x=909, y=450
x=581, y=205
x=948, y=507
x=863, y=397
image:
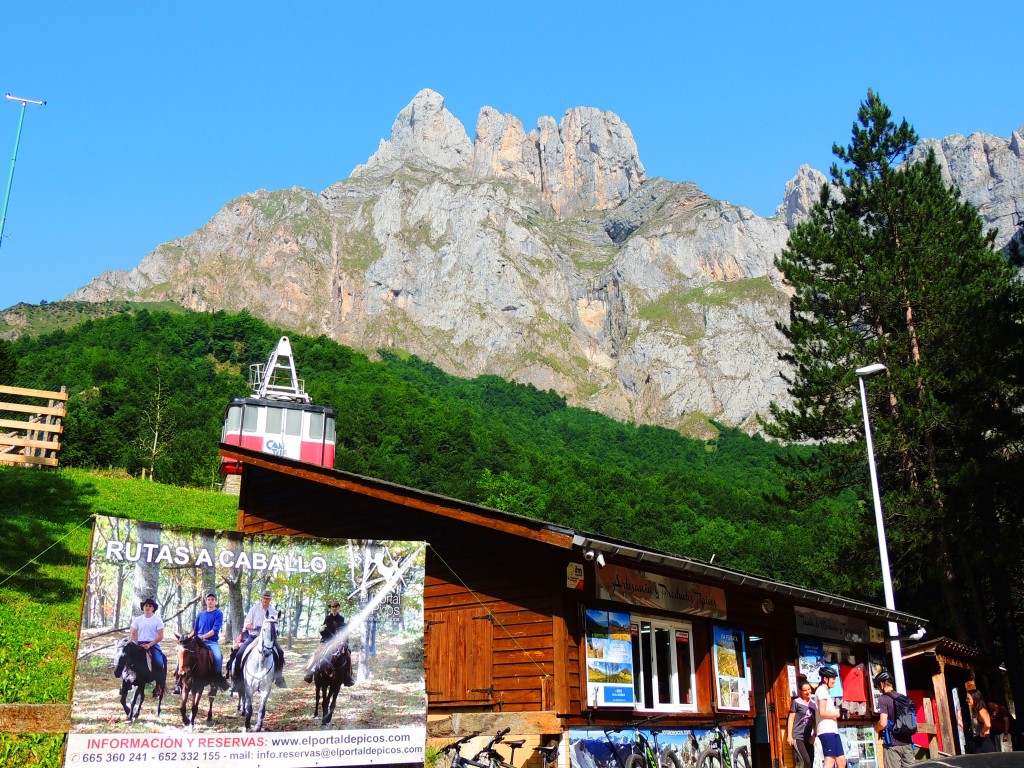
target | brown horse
x=197, y=670
x=332, y=669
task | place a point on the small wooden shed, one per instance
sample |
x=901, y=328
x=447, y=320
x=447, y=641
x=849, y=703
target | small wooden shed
x=944, y=669
x=526, y=621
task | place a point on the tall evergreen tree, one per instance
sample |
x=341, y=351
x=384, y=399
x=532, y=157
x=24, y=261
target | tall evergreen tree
x=893, y=267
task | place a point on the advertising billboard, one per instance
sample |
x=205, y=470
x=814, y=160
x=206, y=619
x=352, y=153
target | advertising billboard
x=213, y=648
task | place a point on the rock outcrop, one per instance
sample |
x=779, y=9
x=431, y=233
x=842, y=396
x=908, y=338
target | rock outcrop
x=544, y=256
x=988, y=171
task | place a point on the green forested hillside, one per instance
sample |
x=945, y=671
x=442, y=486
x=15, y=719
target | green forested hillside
x=149, y=389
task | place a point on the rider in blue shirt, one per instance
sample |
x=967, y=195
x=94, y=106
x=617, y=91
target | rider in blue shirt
x=207, y=629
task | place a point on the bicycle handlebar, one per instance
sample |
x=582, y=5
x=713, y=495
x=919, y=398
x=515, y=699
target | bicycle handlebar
x=637, y=723
x=718, y=721
x=456, y=744
x=496, y=739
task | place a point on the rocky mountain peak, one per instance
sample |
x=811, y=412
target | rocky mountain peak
x=802, y=192
x=588, y=161
x=423, y=132
x=989, y=172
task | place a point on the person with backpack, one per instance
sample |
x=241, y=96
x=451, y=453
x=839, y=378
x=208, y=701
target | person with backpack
x=897, y=723
x=827, y=726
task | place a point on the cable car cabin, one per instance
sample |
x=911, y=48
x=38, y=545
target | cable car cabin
x=278, y=417
x=295, y=430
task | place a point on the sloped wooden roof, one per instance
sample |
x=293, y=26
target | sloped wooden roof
x=364, y=497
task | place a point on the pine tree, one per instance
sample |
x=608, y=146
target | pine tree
x=893, y=267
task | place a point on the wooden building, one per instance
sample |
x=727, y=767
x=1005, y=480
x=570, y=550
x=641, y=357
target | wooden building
x=559, y=633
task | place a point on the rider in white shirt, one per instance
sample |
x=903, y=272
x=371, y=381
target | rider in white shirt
x=254, y=620
x=147, y=631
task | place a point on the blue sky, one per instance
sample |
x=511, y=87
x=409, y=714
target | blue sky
x=158, y=114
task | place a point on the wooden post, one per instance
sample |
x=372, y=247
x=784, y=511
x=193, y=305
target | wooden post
x=945, y=722
x=928, y=727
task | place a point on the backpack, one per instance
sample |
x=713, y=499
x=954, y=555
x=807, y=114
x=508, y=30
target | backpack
x=905, y=723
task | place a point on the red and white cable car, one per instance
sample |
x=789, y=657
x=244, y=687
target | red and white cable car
x=279, y=417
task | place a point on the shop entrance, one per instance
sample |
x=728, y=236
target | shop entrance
x=765, y=747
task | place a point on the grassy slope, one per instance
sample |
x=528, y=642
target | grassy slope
x=47, y=524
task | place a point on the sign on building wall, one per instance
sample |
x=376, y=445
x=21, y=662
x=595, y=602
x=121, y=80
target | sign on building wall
x=609, y=659
x=589, y=747
x=831, y=626
x=730, y=661
x=277, y=593
x=652, y=590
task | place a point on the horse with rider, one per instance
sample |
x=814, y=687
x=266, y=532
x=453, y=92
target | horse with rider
x=139, y=659
x=199, y=661
x=258, y=614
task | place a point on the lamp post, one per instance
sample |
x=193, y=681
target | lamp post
x=14, y=157
x=883, y=548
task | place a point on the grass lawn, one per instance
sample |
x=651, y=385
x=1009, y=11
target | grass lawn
x=47, y=519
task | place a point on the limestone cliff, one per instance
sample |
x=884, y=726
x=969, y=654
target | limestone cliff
x=544, y=256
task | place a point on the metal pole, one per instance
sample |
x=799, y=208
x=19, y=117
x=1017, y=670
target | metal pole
x=883, y=548
x=14, y=158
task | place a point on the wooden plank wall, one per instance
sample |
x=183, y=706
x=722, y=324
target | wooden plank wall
x=37, y=439
x=512, y=587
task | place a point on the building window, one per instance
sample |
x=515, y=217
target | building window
x=663, y=670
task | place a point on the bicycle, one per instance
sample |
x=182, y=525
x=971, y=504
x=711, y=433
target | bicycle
x=719, y=753
x=455, y=750
x=488, y=757
x=646, y=753
x=493, y=757
x=548, y=754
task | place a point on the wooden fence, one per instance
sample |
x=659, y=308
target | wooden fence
x=35, y=440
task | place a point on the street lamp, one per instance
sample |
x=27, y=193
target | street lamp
x=14, y=157
x=883, y=548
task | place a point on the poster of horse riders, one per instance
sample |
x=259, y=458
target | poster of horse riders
x=213, y=648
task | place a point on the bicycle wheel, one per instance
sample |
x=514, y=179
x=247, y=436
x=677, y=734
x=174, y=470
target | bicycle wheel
x=636, y=761
x=669, y=759
x=710, y=758
x=741, y=758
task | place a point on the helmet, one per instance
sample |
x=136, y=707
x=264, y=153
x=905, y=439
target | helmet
x=882, y=677
x=827, y=671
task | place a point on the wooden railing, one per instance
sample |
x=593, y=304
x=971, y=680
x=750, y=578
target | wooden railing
x=35, y=440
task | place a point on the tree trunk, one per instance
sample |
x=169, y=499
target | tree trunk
x=147, y=571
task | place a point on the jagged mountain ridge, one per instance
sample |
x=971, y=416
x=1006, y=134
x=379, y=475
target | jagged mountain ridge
x=545, y=256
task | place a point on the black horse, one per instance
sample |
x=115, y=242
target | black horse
x=136, y=671
x=197, y=670
x=331, y=670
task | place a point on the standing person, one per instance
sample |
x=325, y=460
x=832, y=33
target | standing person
x=1000, y=717
x=254, y=619
x=827, y=725
x=207, y=629
x=897, y=751
x=981, y=723
x=800, y=726
x=333, y=623
x=147, y=631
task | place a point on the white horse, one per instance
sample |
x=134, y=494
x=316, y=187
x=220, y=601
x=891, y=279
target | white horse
x=258, y=672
